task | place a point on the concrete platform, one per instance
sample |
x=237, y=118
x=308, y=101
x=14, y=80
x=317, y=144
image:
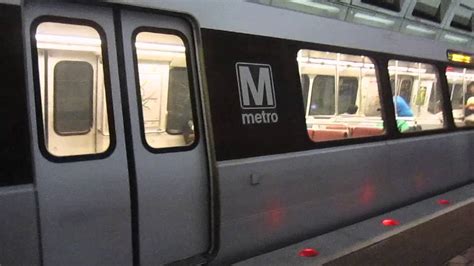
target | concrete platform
x=429, y=233
x=464, y=259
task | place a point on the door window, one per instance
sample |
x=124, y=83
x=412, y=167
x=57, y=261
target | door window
x=164, y=90
x=72, y=89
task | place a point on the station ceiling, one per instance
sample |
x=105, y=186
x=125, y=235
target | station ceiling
x=442, y=20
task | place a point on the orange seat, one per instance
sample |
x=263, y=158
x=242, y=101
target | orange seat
x=358, y=132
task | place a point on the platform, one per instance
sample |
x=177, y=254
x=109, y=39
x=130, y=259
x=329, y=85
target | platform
x=435, y=231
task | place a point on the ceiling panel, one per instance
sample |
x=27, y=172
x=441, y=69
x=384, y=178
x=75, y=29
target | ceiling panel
x=444, y=20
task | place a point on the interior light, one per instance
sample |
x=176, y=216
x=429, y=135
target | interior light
x=160, y=47
x=420, y=29
x=323, y=61
x=328, y=8
x=334, y=62
x=69, y=40
x=390, y=222
x=454, y=74
x=407, y=69
x=397, y=68
x=455, y=38
x=384, y=21
x=75, y=40
x=302, y=59
x=443, y=202
x=308, y=252
x=460, y=58
x=416, y=70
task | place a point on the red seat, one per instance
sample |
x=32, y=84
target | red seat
x=326, y=135
x=358, y=132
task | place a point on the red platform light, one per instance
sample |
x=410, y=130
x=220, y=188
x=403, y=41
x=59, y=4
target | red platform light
x=390, y=222
x=308, y=252
x=443, y=202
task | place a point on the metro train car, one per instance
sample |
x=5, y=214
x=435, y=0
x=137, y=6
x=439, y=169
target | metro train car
x=208, y=132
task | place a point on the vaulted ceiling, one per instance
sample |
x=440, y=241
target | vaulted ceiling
x=444, y=20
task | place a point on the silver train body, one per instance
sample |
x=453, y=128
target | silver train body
x=237, y=188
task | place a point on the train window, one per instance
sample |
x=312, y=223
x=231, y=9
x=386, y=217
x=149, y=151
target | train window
x=461, y=91
x=324, y=88
x=348, y=87
x=343, y=96
x=417, y=96
x=72, y=89
x=164, y=90
x=322, y=96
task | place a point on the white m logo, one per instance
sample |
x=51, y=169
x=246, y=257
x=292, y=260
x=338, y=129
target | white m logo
x=263, y=94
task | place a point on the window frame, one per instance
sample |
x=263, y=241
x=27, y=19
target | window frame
x=41, y=131
x=191, y=83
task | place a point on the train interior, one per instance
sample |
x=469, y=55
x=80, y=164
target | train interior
x=167, y=113
x=341, y=95
x=460, y=84
x=416, y=85
x=73, y=90
x=342, y=100
x=71, y=75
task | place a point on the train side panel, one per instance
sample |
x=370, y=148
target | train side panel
x=277, y=187
x=19, y=243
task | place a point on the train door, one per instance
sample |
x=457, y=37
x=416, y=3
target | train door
x=172, y=219
x=78, y=143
